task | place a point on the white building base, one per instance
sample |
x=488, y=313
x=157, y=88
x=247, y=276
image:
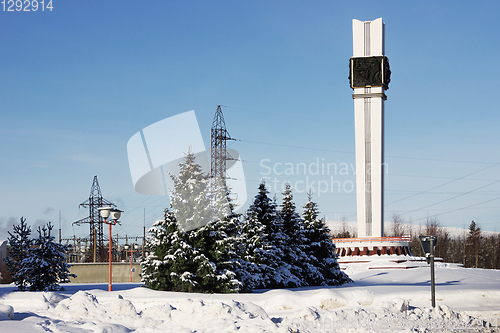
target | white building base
x=372, y=246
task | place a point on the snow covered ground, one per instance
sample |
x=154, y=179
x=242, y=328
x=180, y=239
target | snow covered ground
x=380, y=300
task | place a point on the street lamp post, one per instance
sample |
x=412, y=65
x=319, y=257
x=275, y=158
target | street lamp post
x=115, y=215
x=133, y=248
x=428, y=243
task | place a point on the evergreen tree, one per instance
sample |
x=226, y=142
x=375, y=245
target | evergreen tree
x=20, y=243
x=191, y=250
x=173, y=264
x=315, y=232
x=225, y=226
x=473, y=245
x=259, y=233
x=214, y=246
x=266, y=243
x=251, y=254
x=45, y=266
x=216, y=241
x=322, y=267
x=294, y=242
x=190, y=198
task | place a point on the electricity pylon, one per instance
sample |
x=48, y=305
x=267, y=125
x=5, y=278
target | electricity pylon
x=96, y=236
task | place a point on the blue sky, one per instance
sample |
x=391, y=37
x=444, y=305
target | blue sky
x=76, y=84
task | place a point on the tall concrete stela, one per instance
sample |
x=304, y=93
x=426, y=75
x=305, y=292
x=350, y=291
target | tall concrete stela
x=368, y=43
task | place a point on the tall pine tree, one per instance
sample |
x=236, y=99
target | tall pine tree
x=174, y=264
x=20, y=243
x=322, y=267
x=293, y=243
x=251, y=254
x=266, y=243
x=190, y=198
x=257, y=253
x=215, y=240
x=191, y=250
x=45, y=266
x=473, y=245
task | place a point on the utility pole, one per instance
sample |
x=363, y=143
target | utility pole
x=60, y=227
x=94, y=247
x=219, y=154
x=144, y=237
x=95, y=220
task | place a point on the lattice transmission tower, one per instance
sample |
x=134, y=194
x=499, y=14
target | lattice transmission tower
x=96, y=236
x=219, y=154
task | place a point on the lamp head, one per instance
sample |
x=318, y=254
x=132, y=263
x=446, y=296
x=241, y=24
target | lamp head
x=116, y=213
x=105, y=211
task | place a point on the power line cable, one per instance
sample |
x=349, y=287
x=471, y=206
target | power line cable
x=290, y=116
x=436, y=177
x=462, y=208
x=349, y=123
x=447, y=183
x=299, y=147
x=352, y=153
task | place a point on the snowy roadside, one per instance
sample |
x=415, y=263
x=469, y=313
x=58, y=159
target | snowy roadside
x=380, y=300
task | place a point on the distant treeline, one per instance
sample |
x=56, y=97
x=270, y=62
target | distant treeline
x=472, y=248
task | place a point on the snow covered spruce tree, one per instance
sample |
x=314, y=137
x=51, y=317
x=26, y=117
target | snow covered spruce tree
x=322, y=265
x=249, y=263
x=190, y=250
x=190, y=198
x=257, y=254
x=266, y=245
x=294, y=242
x=45, y=266
x=20, y=243
x=216, y=240
x=173, y=264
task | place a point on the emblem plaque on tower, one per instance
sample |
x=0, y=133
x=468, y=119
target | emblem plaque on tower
x=369, y=72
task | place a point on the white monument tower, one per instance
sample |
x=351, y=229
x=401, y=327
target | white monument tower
x=369, y=76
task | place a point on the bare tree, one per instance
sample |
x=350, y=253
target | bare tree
x=398, y=225
x=432, y=226
x=345, y=232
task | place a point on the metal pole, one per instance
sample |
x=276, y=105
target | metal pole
x=95, y=247
x=433, y=289
x=144, y=237
x=60, y=227
x=110, y=288
x=131, y=265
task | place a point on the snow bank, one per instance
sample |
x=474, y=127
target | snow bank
x=380, y=300
x=119, y=314
x=6, y=312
